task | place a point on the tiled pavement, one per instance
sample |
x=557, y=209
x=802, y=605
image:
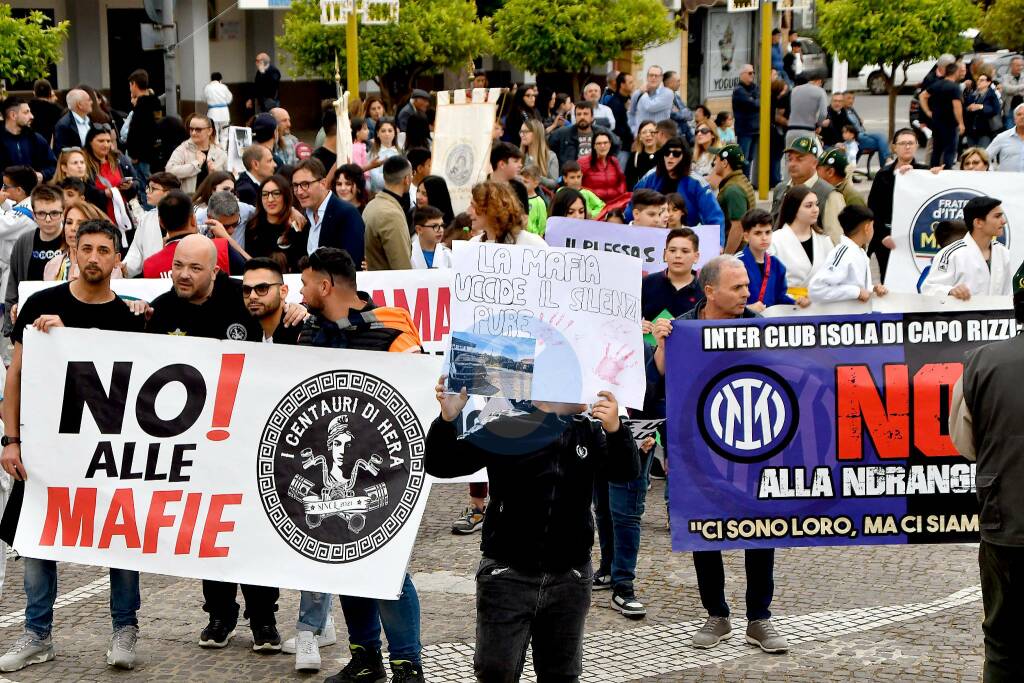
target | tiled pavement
x=909, y=613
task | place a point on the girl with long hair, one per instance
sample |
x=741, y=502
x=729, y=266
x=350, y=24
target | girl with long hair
x=799, y=242
x=672, y=173
x=534, y=145
x=349, y=183
x=383, y=148
x=64, y=266
x=499, y=215
x=641, y=159
x=705, y=137
x=109, y=171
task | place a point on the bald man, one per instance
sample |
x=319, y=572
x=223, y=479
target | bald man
x=286, y=142
x=71, y=129
x=265, y=85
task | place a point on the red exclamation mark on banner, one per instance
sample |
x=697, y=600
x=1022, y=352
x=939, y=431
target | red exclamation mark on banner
x=227, y=388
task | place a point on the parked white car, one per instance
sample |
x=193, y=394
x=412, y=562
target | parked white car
x=871, y=77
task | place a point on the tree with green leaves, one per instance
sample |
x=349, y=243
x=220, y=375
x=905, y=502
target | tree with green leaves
x=430, y=36
x=894, y=34
x=1004, y=24
x=570, y=36
x=29, y=46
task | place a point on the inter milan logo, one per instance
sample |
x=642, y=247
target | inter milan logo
x=747, y=414
x=947, y=205
x=340, y=465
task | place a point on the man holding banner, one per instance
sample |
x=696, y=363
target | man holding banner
x=726, y=289
x=85, y=302
x=976, y=264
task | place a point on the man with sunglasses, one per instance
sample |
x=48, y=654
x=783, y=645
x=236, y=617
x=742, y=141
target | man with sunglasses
x=263, y=293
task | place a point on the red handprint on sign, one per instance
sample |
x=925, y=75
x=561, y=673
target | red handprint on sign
x=609, y=368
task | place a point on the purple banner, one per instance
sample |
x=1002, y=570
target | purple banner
x=647, y=244
x=820, y=430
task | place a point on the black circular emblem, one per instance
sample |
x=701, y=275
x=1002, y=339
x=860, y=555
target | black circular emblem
x=340, y=465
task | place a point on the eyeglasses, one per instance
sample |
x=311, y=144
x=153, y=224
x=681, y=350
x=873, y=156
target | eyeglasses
x=433, y=226
x=305, y=185
x=703, y=131
x=197, y=129
x=229, y=226
x=261, y=289
x=154, y=188
x=48, y=215
x=674, y=153
x=906, y=143
x=525, y=131
x=271, y=194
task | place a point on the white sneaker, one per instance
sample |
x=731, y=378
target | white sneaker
x=307, y=654
x=327, y=638
x=27, y=650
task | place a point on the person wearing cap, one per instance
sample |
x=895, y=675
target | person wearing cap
x=735, y=194
x=976, y=264
x=802, y=163
x=418, y=102
x=847, y=275
x=264, y=133
x=832, y=167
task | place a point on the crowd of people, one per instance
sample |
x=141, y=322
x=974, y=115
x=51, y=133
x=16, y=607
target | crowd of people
x=90, y=195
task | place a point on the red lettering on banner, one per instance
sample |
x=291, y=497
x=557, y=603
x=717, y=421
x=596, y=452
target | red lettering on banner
x=929, y=417
x=156, y=519
x=122, y=505
x=442, y=323
x=858, y=402
x=76, y=522
x=378, y=297
x=188, y=524
x=420, y=312
x=214, y=525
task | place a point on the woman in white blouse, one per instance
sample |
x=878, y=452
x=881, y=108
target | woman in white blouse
x=799, y=242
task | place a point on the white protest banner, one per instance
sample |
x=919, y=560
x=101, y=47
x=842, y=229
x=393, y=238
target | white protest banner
x=923, y=199
x=424, y=293
x=581, y=309
x=462, y=142
x=251, y=463
x=646, y=244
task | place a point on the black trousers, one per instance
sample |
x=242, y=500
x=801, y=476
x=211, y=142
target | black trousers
x=760, y=566
x=1002, y=593
x=512, y=607
x=260, y=602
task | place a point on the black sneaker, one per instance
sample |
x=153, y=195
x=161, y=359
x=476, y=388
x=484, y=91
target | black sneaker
x=626, y=602
x=404, y=671
x=657, y=470
x=218, y=633
x=366, y=666
x=265, y=638
x=602, y=582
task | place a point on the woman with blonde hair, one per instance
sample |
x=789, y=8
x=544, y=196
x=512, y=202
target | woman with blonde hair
x=975, y=159
x=497, y=212
x=533, y=142
x=705, y=138
x=199, y=156
x=64, y=266
x=71, y=164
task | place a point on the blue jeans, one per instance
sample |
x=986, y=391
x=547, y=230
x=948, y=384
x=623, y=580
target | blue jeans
x=313, y=611
x=618, y=509
x=400, y=619
x=748, y=144
x=41, y=593
x=875, y=142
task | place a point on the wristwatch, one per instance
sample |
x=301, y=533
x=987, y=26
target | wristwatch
x=8, y=440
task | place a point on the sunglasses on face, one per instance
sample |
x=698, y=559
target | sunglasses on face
x=674, y=153
x=261, y=289
x=703, y=131
x=197, y=129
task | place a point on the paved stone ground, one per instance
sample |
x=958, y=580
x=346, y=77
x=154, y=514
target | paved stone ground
x=908, y=613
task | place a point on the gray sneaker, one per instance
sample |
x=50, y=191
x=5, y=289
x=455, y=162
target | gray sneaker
x=121, y=652
x=763, y=634
x=27, y=650
x=714, y=631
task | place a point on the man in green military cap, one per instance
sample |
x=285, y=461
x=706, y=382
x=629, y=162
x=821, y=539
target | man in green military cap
x=735, y=194
x=832, y=167
x=802, y=163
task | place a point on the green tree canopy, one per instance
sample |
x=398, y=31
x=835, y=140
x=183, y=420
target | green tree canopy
x=1004, y=24
x=430, y=36
x=28, y=46
x=894, y=33
x=570, y=36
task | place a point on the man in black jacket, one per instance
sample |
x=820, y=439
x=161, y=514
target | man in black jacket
x=535, y=577
x=143, y=139
x=618, y=102
x=19, y=144
x=881, y=196
x=569, y=143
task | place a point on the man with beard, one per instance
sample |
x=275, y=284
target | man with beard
x=345, y=318
x=264, y=292
x=569, y=143
x=85, y=302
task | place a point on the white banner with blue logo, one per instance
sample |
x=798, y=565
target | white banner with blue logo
x=923, y=199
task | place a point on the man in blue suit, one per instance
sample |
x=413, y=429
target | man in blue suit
x=70, y=129
x=332, y=222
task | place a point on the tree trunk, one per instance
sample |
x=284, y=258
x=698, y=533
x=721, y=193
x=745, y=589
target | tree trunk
x=893, y=91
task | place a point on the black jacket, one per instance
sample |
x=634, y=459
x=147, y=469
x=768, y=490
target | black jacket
x=246, y=190
x=618, y=104
x=541, y=468
x=44, y=117
x=342, y=227
x=881, y=197
x=565, y=142
x=143, y=141
x=27, y=149
x=65, y=134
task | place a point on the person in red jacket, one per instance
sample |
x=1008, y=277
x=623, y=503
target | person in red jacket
x=602, y=174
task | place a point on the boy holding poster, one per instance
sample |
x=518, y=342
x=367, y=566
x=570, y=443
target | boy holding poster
x=534, y=580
